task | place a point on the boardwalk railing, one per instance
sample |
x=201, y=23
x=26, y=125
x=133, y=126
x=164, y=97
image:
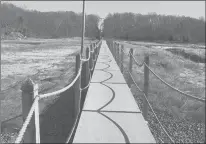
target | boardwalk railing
x=30, y=131
x=118, y=50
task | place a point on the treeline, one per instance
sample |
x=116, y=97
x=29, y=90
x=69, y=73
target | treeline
x=46, y=24
x=153, y=27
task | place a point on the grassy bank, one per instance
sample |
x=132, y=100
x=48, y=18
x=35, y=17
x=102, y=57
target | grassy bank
x=183, y=118
x=50, y=63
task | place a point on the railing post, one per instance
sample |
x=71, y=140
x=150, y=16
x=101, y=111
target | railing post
x=115, y=51
x=84, y=78
x=0, y=115
x=77, y=86
x=94, y=45
x=87, y=65
x=130, y=66
x=113, y=48
x=118, y=53
x=95, y=53
x=146, y=86
x=121, y=59
x=91, y=57
x=99, y=46
x=36, y=114
x=27, y=89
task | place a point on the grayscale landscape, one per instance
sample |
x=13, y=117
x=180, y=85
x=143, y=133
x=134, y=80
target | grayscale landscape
x=43, y=45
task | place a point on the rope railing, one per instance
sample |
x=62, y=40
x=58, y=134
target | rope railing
x=158, y=119
x=34, y=106
x=81, y=89
x=140, y=65
x=84, y=60
x=135, y=82
x=63, y=89
x=27, y=120
x=147, y=101
x=188, y=95
x=151, y=109
x=114, y=46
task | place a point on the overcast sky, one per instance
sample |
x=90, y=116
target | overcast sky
x=102, y=8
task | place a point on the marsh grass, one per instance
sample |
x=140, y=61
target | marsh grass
x=52, y=66
x=183, y=118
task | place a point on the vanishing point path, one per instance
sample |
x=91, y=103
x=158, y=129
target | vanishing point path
x=110, y=113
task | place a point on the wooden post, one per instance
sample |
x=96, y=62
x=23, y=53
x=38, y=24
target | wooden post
x=130, y=66
x=117, y=54
x=99, y=48
x=113, y=48
x=2, y=97
x=94, y=52
x=77, y=63
x=115, y=51
x=0, y=115
x=36, y=115
x=87, y=66
x=90, y=60
x=0, y=119
x=121, y=58
x=146, y=86
x=94, y=45
x=27, y=89
x=84, y=78
x=117, y=48
x=77, y=92
x=94, y=55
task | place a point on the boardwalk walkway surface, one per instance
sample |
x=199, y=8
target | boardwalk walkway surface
x=110, y=113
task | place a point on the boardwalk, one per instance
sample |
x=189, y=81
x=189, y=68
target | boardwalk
x=110, y=113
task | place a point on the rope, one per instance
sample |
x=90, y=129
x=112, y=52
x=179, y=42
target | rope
x=140, y=65
x=199, y=99
x=90, y=77
x=158, y=119
x=75, y=123
x=152, y=109
x=188, y=95
x=135, y=83
x=36, y=99
x=124, y=52
x=84, y=60
x=26, y=122
x=64, y=89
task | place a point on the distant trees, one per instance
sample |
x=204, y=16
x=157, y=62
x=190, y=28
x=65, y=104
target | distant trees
x=91, y=28
x=153, y=27
x=48, y=24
